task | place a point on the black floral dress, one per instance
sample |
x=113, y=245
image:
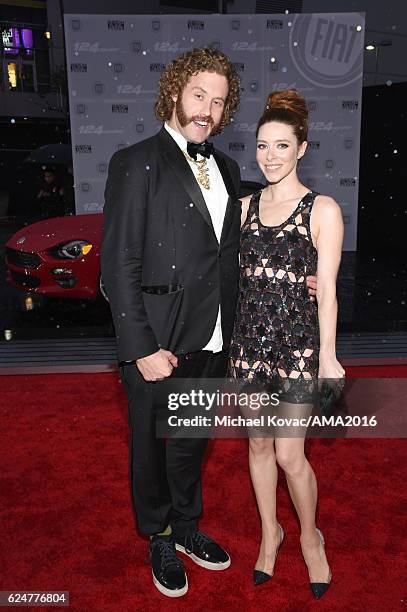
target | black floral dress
x=276, y=334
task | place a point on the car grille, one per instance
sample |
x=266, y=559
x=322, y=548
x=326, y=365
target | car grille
x=25, y=280
x=22, y=259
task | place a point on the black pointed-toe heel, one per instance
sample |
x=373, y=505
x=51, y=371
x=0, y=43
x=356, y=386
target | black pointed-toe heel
x=260, y=577
x=320, y=588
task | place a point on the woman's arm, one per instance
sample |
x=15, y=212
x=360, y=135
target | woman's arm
x=245, y=207
x=327, y=229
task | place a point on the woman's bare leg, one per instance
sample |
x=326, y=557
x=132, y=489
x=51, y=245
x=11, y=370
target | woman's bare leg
x=303, y=490
x=263, y=471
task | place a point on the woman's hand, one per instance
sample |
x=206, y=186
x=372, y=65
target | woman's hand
x=331, y=383
x=329, y=367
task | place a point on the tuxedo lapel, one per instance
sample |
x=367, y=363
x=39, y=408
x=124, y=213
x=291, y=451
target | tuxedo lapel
x=230, y=207
x=175, y=158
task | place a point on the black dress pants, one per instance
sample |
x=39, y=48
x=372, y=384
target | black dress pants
x=165, y=475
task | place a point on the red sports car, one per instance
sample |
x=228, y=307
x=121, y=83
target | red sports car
x=58, y=257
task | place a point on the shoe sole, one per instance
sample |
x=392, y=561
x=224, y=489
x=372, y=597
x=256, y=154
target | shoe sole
x=201, y=562
x=170, y=592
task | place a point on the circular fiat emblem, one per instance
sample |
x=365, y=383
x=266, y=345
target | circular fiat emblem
x=328, y=50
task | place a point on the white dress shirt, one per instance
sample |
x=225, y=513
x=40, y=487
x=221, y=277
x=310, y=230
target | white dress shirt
x=216, y=199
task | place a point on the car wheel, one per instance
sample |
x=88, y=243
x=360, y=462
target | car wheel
x=102, y=289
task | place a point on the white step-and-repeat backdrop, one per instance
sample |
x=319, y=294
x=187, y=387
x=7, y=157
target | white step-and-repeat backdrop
x=115, y=61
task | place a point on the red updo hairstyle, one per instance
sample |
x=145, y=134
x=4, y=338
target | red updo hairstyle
x=287, y=107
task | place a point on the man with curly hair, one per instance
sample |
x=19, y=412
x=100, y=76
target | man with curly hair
x=170, y=268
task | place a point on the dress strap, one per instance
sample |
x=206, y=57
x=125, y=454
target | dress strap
x=308, y=202
x=253, y=210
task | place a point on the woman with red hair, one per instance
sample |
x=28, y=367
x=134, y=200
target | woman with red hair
x=282, y=340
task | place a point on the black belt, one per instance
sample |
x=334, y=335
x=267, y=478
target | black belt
x=161, y=289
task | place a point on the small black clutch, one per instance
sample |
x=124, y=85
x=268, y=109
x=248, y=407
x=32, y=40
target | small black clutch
x=329, y=394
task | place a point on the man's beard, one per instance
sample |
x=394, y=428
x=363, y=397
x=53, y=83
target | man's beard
x=184, y=120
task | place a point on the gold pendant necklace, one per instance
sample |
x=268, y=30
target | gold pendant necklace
x=203, y=170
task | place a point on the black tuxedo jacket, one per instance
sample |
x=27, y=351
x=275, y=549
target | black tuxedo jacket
x=164, y=271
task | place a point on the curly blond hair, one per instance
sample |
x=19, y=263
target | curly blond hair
x=178, y=72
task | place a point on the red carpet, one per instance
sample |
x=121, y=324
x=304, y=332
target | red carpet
x=67, y=524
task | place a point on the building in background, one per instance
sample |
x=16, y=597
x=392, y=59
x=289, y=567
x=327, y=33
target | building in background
x=27, y=68
x=33, y=97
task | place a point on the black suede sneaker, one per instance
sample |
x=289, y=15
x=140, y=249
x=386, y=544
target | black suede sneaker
x=168, y=570
x=203, y=550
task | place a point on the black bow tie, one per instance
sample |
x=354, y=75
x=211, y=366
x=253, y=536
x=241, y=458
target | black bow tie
x=205, y=149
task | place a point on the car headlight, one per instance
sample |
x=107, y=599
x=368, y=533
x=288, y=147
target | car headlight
x=75, y=249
